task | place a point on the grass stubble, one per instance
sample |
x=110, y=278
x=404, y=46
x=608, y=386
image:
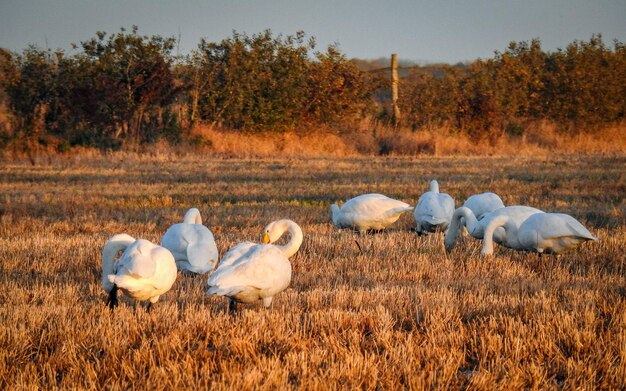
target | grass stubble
x=401, y=314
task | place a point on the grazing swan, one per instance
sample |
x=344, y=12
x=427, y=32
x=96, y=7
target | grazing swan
x=249, y=272
x=464, y=216
x=483, y=203
x=192, y=244
x=368, y=211
x=145, y=271
x=433, y=211
x=548, y=233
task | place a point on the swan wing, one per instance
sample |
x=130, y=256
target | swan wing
x=139, y=260
x=263, y=267
x=371, y=204
x=226, y=290
x=561, y=224
x=174, y=239
x=552, y=230
x=202, y=256
x=517, y=213
x=371, y=211
x=179, y=236
x=483, y=203
x=235, y=253
x=434, y=208
x=393, y=212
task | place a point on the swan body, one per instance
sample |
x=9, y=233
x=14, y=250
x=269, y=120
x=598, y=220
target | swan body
x=433, y=211
x=368, y=211
x=483, y=203
x=464, y=216
x=249, y=272
x=192, y=244
x=144, y=271
x=542, y=232
x=552, y=233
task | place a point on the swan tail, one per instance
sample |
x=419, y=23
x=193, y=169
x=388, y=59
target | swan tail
x=582, y=232
x=128, y=283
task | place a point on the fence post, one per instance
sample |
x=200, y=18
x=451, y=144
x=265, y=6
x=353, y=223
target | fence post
x=394, y=88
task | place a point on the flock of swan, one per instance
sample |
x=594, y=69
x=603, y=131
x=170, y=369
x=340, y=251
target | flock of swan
x=250, y=272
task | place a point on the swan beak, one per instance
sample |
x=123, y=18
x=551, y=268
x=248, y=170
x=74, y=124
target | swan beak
x=266, y=238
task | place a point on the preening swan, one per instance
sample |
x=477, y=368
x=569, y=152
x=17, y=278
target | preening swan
x=483, y=203
x=368, y=211
x=192, y=244
x=433, y=211
x=548, y=233
x=145, y=271
x=249, y=272
x=464, y=216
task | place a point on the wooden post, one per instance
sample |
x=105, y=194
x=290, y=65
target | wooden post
x=394, y=88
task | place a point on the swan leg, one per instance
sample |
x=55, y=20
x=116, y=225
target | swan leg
x=267, y=301
x=359, y=246
x=232, y=305
x=112, y=299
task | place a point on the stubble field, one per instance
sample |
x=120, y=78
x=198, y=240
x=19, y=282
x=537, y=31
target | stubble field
x=402, y=314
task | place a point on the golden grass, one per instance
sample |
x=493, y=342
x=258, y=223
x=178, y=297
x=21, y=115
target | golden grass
x=541, y=138
x=403, y=314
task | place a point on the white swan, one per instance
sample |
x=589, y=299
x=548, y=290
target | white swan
x=433, y=211
x=483, y=203
x=548, y=233
x=249, y=272
x=464, y=216
x=368, y=211
x=145, y=271
x=192, y=244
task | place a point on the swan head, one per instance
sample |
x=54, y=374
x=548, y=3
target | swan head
x=266, y=233
x=274, y=230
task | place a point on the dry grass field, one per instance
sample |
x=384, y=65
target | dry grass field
x=403, y=314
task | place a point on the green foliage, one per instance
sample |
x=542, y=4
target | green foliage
x=126, y=87
x=272, y=83
x=122, y=82
x=430, y=100
x=582, y=85
x=28, y=80
x=253, y=82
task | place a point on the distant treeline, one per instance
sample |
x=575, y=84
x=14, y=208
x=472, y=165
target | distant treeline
x=128, y=88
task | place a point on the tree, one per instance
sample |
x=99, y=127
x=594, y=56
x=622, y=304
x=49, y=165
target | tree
x=337, y=90
x=121, y=81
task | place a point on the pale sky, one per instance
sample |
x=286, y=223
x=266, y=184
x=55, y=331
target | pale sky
x=425, y=31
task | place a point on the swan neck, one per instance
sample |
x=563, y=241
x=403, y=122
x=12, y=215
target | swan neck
x=114, y=245
x=470, y=218
x=192, y=217
x=500, y=221
x=295, y=240
x=454, y=229
x=335, y=211
x=434, y=186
